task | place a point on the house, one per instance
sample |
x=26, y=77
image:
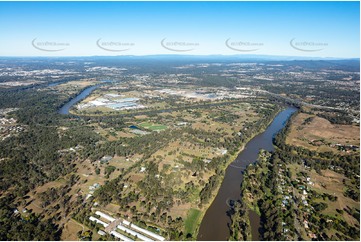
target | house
x=224, y=151
x=305, y=223
x=207, y=161
x=312, y=236
x=101, y=232
x=105, y=159
x=94, y=186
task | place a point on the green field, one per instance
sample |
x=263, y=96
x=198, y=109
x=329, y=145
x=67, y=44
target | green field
x=153, y=127
x=192, y=221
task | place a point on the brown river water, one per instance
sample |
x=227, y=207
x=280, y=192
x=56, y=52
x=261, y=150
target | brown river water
x=215, y=222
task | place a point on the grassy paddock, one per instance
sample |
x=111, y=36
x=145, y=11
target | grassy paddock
x=152, y=127
x=192, y=220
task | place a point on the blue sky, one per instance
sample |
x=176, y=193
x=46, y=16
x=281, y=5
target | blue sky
x=320, y=29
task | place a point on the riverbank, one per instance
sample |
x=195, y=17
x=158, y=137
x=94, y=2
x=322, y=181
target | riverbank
x=258, y=127
x=80, y=96
x=215, y=192
x=226, y=165
x=215, y=221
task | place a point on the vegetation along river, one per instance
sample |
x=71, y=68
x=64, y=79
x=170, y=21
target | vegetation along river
x=214, y=225
x=86, y=92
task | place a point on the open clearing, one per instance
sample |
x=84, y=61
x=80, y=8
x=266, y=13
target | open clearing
x=192, y=220
x=330, y=183
x=71, y=229
x=153, y=127
x=319, y=134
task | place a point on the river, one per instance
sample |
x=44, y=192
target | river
x=214, y=225
x=65, y=109
x=215, y=222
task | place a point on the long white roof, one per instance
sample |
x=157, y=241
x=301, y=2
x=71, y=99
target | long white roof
x=98, y=221
x=120, y=236
x=103, y=215
x=144, y=231
x=126, y=222
x=139, y=236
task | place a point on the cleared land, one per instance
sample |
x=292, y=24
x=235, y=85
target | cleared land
x=331, y=183
x=181, y=144
x=319, y=134
x=152, y=127
x=192, y=220
x=71, y=228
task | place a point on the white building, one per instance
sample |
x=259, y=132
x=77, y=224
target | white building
x=98, y=221
x=120, y=236
x=138, y=235
x=103, y=215
x=151, y=234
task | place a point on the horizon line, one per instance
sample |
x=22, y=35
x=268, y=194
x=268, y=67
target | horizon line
x=182, y=55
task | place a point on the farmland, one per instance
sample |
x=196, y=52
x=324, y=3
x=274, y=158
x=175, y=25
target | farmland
x=161, y=166
x=316, y=133
x=150, y=144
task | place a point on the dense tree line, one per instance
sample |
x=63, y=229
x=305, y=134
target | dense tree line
x=348, y=163
x=336, y=118
x=24, y=227
x=261, y=182
x=32, y=158
x=240, y=228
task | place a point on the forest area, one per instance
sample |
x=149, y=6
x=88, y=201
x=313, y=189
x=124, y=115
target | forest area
x=295, y=199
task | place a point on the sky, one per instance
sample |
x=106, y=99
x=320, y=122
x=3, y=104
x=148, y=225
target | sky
x=317, y=29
